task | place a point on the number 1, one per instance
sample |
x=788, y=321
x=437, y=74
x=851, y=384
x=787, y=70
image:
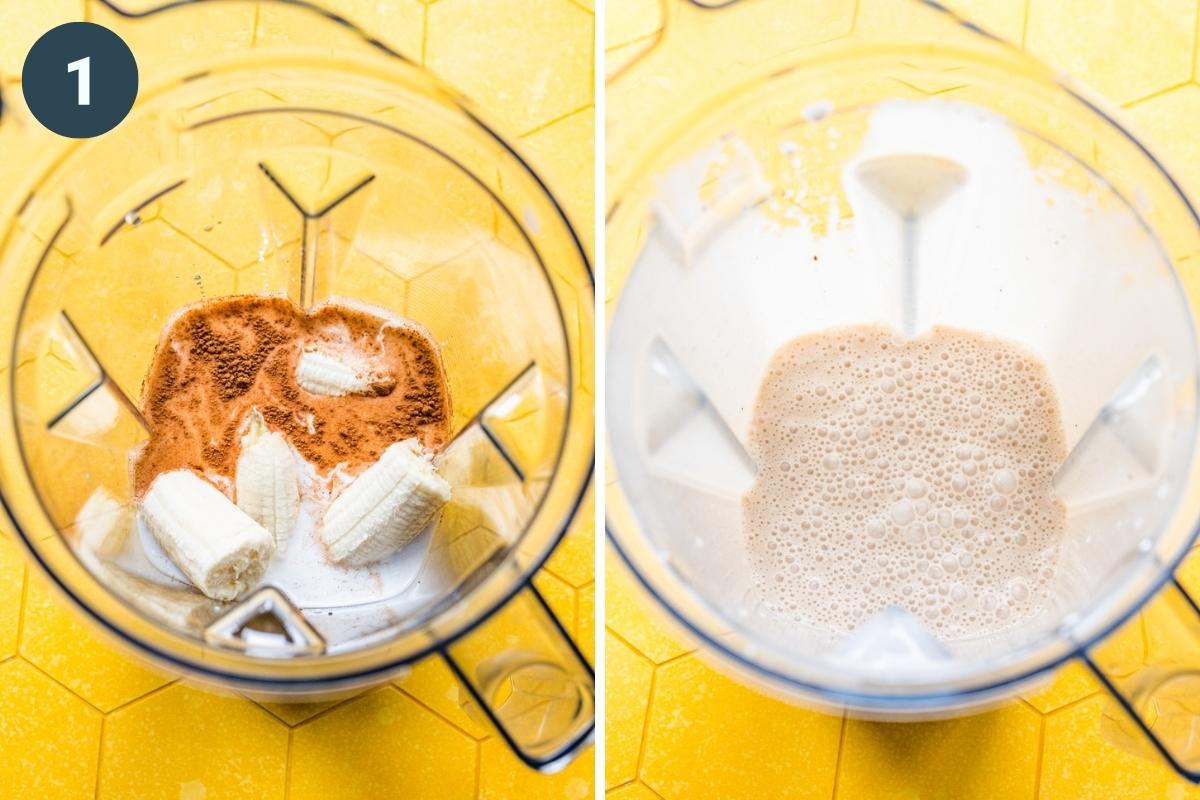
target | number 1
x=84, y=67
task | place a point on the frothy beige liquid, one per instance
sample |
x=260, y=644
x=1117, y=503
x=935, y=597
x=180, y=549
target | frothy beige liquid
x=914, y=473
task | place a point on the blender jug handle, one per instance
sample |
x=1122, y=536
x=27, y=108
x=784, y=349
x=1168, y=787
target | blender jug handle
x=530, y=680
x=1159, y=688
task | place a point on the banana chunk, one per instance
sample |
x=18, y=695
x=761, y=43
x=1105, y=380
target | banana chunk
x=385, y=507
x=268, y=487
x=323, y=374
x=220, y=549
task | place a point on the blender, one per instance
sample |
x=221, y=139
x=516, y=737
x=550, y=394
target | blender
x=823, y=166
x=315, y=166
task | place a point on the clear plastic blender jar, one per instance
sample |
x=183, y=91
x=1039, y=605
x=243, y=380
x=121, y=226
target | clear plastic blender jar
x=315, y=165
x=898, y=166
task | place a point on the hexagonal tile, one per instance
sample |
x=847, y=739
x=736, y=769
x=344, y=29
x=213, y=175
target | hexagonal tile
x=569, y=175
x=235, y=214
x=1124, y=651
x=753, y=746
x=432, y=683
x=294, y=713
x=585, y=621
x=382, y=744
x=1072, y=682
x=48, y=737
x=628, y=677
x=186, y=742
x=982, y=755
x=1169, y=120
x=61, y=643
x=12, y=586
x=1078, y=761
x=631, y=791
x=152, y=269
x=526, y=61
x=1124, y=50
x=628, y=612
x=503, y=776
x=559, y=595
x=574, y=558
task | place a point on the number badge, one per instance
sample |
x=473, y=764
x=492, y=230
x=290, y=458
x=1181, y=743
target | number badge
x=80, y=80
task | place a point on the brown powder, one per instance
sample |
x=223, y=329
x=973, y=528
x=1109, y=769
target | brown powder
x=218, y=360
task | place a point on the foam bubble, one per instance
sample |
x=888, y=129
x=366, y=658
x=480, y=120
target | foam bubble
x=912, y=473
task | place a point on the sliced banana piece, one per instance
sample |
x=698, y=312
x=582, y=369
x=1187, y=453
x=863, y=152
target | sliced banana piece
x=385, y=507
x=321, y=373
x=268, y=486
x=220, y=549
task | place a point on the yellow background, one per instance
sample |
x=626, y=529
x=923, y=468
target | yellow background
x=676, y=728
x=79, y=719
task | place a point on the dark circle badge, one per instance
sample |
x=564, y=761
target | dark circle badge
x=80, y=79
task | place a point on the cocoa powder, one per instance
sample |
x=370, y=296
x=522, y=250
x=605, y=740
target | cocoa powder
x=218, y=360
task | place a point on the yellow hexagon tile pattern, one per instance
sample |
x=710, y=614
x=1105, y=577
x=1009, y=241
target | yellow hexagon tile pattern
x=760, y=744
x=503, y=777
x=12, y=590
x=381, y=744
x=183, y=739
x=1078, y=762
x=80, y=718
x=482, y=48
x=62, y=645
x=678, y=729
x=431, y=683
x=48, y=736
x=1124, y=50
x=982, y=755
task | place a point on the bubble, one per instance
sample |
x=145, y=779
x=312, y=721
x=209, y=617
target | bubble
x=915, y=488
x=903, y=513
x=1004, y=481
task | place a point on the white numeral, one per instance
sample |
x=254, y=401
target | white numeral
x=84, y=67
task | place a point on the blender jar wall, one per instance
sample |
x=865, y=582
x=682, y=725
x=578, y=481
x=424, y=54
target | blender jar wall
x=733, y=181
x=289, y=170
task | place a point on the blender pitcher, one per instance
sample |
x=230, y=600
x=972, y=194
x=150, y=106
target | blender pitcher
x=313, y=163
x=817, y=168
